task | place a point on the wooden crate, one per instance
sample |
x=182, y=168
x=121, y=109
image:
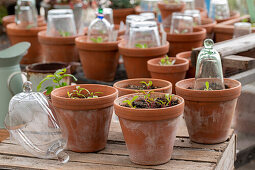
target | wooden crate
x=186, y=155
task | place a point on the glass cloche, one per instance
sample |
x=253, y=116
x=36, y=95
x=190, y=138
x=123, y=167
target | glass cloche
x=32, y=124
x=209, y=75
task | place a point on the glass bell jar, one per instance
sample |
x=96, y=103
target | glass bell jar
x=31, y=123
x=209, y=75
x=100, y=29
x=219, y=9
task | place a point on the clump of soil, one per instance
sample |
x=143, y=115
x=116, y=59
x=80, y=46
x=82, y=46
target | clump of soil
x=143, y=104
x=141, y=87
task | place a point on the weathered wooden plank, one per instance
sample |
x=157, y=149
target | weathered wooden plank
x=238, y=62
x=245, y=77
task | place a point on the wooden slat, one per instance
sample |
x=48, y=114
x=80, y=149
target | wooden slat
x=238, y=62
x=245, y=77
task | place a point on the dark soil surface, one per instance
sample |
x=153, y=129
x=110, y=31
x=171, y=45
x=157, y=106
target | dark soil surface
x=141, y=87
x=213, y=86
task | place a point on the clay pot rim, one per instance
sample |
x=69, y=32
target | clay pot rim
x=43, y=38
x=138, y=114
x=139, y=52
x=184, y=63
x=84, y=104
x=214, y=95
x=211, y=22
x=65, y=65
x=117, y=84
x=184, y=53
x=233, y=15
x=12, y=29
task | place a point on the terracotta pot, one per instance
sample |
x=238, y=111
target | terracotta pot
x=225, y=30
x=139, y=11
x=38, y=71
x=149, y=133
x=85, y=123
x=233, y=15
x=11, y=19
x=208, y=24
x=173, y=73
x=116, y=27
x=203, y=12
x=99, y=60
x=17, y=35
x=135, y=59
x=165, y=86
x=185, y=42
x=58, y=49
x=208, y=114
x=192, y=70
x=121, y=14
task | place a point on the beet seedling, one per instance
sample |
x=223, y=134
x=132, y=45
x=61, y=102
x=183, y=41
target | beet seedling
x=148, y=85
x=55, y=78
x=141, y=45
x=99, y=39
x=166, y=61
x=130, y=102
x=207, y=86
x=64, y=33
x=78, y=93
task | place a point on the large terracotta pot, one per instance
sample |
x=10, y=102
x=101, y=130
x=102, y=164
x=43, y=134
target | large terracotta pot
x=17, y=35
x=149, y=133
x=208, y=24
x=164, y=86
x=58, y=49
x=185, y=42
x=233, y=15
x=208, y=114
x=11, y=19
x=135, y=59
x=192, y=70
x=225, y=30
x=85, y=123
x=121, y=14
x=173, y=73
x=99, y=60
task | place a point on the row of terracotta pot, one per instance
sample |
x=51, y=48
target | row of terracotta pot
x=149, y=133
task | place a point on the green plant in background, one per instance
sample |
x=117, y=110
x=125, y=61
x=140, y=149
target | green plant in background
x=78, y=94
x=166, y=61
x=99, y=39
x=120, y=4
x=3, y=13
x=141, y=45
x=64, y=33
x=55, y=78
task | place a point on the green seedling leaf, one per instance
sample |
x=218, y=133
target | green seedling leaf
x=207, y=85
x=49, y=90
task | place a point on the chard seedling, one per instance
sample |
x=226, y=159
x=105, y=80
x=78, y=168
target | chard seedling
x=55, y=78
x=78, y=93
x=64, y=33
x=148, y=85
x=97, y=40
x=141, y=45
x=130, y=102
x=166, y=61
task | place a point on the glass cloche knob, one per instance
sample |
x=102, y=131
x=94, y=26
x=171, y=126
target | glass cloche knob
x=32, y=123
x=209, y=75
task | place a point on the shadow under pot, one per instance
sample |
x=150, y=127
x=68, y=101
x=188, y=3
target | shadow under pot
x=208, y=114
x=149, y=133
x=135, y=59
x=99, y=60
x=159, y=86
x=172, y=73
x=38, y=71
x=85, y=123
x=185, y=42
x=58, y=49
x=192, y=70
x=16, y=35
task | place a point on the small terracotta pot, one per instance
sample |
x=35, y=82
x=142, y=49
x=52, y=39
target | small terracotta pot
x=166, y=10
x=121, y=14
x=233, y=15
x=185, y=42
x=208, y=114
x=85, y=123
x=165, y=86
x=17, y=35
x=135, y=59
x=203, y=12
x=192, y=70
x=139, y=11
x=116, y=27
x=149, y=133
x=99, y=60
x=225, y=30
x=58, y=49
x=11, y=19
x=208, y=24
x=173, y=73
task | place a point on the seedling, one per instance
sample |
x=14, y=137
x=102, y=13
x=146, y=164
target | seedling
x=64, y=33
x=97, y=40
x=180, y=32
x=78, y=93
x=141, y=45
x=130, y=102
x=148, y=85
x=55, y=78
x=166, y=61
x=207, y=86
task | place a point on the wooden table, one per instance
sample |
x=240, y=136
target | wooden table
x=186, y=155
